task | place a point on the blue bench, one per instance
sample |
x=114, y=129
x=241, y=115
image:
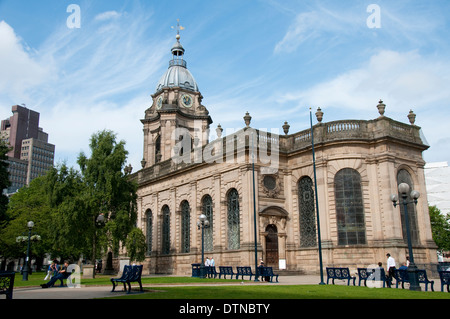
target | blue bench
x=211, y=271
x=244, y=271
x=339, y=273
x=130, y=274
x=226, y=270
x=444, y=275
x=363, y=274
x=402, y=276
x=374, y=274
x=267, y=272
x=7, y=284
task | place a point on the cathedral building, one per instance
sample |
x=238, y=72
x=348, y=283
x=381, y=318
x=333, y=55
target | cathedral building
x=272, y=182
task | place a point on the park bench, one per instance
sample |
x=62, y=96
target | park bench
x=7, y=284
x=444, y=275
x=226, y=270
x=130, y=274
x=423, y=279
x=363, y=274
x=374, y=274
x=402, y=276
x=244, y=271
x=267, y=272
x=339, y=273
x=211, y=271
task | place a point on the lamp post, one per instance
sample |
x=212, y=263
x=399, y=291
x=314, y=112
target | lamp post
x=316, y=195
x=30, y=226
x=203, y=223
x=254, y=211
x=99, y=222
x=404, y=189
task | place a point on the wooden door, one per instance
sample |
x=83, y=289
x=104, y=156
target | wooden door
x=272, y=246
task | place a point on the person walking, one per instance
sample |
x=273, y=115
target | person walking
x=390, y=267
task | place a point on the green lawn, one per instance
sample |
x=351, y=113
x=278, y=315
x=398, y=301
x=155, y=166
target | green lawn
x=244, y=291
x=283, y=292
x=37, y=279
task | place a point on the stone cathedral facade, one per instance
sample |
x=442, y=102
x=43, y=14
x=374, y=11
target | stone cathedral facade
x=188, y=171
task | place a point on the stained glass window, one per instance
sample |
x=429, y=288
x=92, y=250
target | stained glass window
x=404, y=177
x=185, y=227
x=207, y=210
x=233, y=221
x=149, y=217
x=307, y=213
x=349, y=207
x=165, y=245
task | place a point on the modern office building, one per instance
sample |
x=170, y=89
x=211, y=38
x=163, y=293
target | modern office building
x=31, y=154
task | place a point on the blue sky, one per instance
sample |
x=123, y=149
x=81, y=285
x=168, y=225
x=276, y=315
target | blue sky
x=272, y=58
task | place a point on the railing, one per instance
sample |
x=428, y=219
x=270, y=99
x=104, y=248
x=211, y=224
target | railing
x=336, y=131
x=177, y=62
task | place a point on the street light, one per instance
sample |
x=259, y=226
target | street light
x=403, y=189
x=30, y=226
x=203, y=223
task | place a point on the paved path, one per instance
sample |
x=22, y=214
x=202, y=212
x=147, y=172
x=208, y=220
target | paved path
x=89, y=292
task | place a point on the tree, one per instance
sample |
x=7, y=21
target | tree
x=64, y=191
x=108, y=191
x=28, y=204
x=4, y=183
x=440, y=228
x=4, y=180
x=135, y=245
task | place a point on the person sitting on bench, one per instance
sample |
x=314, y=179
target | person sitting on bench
x=62, y=274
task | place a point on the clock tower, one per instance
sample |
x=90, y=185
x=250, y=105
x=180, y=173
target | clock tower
x=177, y=116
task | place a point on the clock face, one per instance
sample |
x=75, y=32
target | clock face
x=159, y=102
x=186, y=100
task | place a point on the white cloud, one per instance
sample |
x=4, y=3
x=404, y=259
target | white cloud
x=316, y=24
x=405, y=79
x=99, y=80
x=20, y=70
x=108, y=15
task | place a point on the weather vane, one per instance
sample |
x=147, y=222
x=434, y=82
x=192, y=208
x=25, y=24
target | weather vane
x=179, y=28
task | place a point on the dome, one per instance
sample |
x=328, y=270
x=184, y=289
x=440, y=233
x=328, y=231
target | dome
x=177, y=75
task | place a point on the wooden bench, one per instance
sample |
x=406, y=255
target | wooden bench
x=402, y=276
x=226, y=270
x=339, y=273
x=244, y=271
x=130, y=274
x=7, y=284
x=267, y=272
x=444, y=275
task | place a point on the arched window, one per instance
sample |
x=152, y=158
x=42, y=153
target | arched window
x=165, y=242
x=149, y=237
x=158, y=149
x=349, y=207
x=307, y=212
x=185, y=227
x=404, y=177
x=233, y=220
x=207, y=210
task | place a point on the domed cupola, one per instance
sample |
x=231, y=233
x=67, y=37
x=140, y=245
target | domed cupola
x=177, y=75
x=177, y=107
